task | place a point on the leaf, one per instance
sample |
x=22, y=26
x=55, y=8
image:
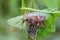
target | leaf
x=27, y=2
x=40, y=4
x=49, y=28
x=57, y=15
x=52, y=4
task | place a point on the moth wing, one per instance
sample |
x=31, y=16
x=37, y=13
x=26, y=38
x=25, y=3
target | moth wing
x=16, y=22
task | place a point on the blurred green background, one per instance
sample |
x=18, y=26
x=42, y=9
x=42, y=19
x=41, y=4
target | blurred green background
x=11, y=8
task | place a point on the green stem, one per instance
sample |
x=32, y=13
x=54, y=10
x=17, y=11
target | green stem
x=22, y=3
x=36, y=10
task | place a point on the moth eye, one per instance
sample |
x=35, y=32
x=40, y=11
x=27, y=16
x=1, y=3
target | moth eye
x=42, y=21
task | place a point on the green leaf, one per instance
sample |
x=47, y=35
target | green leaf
x=49, y=28
x=52, y=4
x=40, y=4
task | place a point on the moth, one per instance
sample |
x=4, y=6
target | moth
x=34, y=19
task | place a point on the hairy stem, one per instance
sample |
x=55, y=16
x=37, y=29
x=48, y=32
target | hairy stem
x=36, y=10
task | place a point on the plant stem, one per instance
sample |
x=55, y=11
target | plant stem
x=22, y=3
x=36, y=10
